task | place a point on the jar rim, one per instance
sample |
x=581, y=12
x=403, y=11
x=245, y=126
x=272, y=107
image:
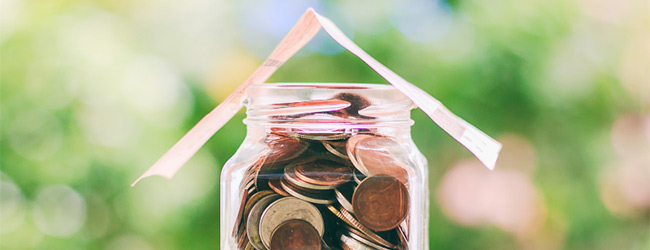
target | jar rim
x=342, y=85
x=283, y=103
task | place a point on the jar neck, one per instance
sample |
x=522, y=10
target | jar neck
x=260, y=130
x=322, y=106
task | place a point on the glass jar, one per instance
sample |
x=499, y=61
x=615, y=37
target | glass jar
x=325, y=166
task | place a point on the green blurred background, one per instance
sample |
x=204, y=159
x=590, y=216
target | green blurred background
x=93, y=92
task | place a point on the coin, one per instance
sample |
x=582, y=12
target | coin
x=295, y=235
x=402, y=239
x=295, y=109
x=313, y=197
x=252, y=200
x=377, y=155
x=285, y=209
x=323, y=172
x=253, y=221
x=357, y=102
x=358, y=176
x=335, y=150
x=242, y=241
x=353, y=233
x=291, y=177
x=284, y=148
x=275, y=185
x=348, y=243
x=381, y=202
x=343, y=195
x=238, y=219
x=350, y=220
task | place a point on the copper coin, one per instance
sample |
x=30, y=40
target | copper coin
x=292, y=178
x=281, y=149
x=275, y=185
x=381, y=202
x=307, y=107
x=323, y=172
x=296, y=184
x=357, y=102
x=288, y=208
x=242, y=241
x=238, y=219
x=310, y=197
x=284, y=148
x=295, y=235
x=378, y=155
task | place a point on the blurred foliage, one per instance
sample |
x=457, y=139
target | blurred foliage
x=93, y=92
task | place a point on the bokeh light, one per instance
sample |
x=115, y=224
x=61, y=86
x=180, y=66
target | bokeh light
x=59, y=211
x=625, y=183
x=12, y=205
x=506, y=197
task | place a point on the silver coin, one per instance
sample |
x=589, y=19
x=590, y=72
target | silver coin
x=345, y=203
x=253, y=221
x=351, y=232
x=348, y=243
x=288, y=208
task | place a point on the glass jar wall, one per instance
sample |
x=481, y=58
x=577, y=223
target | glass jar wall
x=325, y=166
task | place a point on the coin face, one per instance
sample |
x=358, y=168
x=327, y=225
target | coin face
x=288, y=208
x=295, y=235
x=381, y=202
x=378, y=155
x=323, y=172
x=253, y=221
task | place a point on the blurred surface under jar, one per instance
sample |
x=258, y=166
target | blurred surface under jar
x=325, y=166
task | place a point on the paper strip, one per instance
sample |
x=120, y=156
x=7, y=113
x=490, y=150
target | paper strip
x=481, y=145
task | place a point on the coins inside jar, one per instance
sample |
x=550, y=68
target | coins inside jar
x=295, y=235
x=323, y=188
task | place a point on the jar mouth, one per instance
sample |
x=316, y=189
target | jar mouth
x=327, y=104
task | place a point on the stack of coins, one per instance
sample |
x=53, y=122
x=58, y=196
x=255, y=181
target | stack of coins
x=325, y=188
